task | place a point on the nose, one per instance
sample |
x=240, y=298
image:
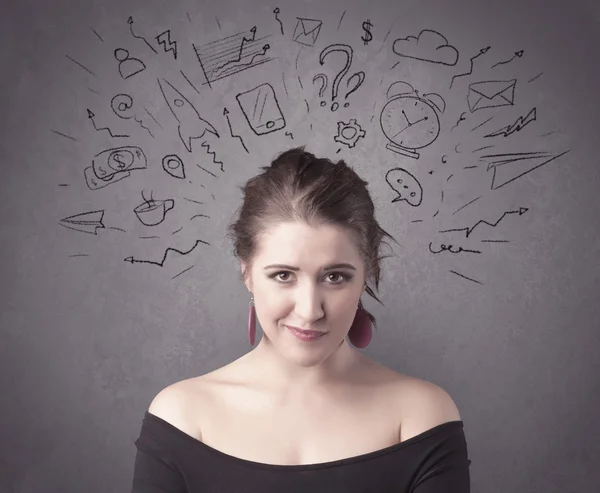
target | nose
x=309, y=304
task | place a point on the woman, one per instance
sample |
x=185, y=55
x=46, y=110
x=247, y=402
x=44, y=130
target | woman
x=304, y=411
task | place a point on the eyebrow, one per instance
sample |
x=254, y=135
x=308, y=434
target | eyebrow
x=328, y=267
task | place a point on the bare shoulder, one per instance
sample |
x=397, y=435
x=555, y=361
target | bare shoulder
x=175, y=405
x=425, y=406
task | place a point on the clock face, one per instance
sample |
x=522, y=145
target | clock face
x=410, y=122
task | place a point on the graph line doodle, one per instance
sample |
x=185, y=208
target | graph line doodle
x=509, y=167
x=349, y=133
x=86, y=222
x=518, y=54
x=231, y=55
x=407, y=187
x=307, y=31
x=483, y=51
x=469, y=230
x=153, y=212
x=491, y=94
x=162, y=262
x=164, y=39
x=130, y=22
x=226, y=115
x=128, y=66
x=428, y=46
x=91, y=116
x=191, y=124
x=520, y=123
x=261, y=109
x=173, y=165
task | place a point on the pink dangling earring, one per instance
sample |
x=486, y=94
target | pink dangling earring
x=361, y=331
x=252, y=322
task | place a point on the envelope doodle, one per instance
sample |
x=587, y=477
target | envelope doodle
x=307, y=31
x=491, y=94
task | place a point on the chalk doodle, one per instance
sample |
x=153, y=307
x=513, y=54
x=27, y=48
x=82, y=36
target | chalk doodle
x=94, y=183
x=410, y=121
x=130, y=22
x=128, y=66
x=469, y=230
x=226, y=115
x=520, y=123
x=307, y=31
x=153, y=212
x=491, y=94
x=407, y=187
x=81, y=65
x=483, y=51
x=164, y=39
x=518, y=54
x=231, y=55
x=214, y=154
x=349, y=133
x=112, y=161
x=191, y=125
x=461, y=118
x=173, y=165
x=323, y=78
x=91, y=116
x=122, y=105
x=162, y=262
x=349, y=53
x=276, y=12
x=509, y=167
x=86, y=222
x=261, y=109
x=367, y=37
x=428, y=46
x=448, y=248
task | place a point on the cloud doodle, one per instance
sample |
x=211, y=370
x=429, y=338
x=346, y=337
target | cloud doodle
x=428, y=46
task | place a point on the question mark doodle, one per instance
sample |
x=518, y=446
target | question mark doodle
x=347, y=50
x=323, y=77
x=361, y=79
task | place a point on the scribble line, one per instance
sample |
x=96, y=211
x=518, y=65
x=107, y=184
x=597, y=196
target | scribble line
x=151, y=116
x=481, y=124
x=82, y=66
x=481, y=52
x=183, y=272
x=99, y=37
x=64, y=135
x=189, y=82
x=341, y=19
x=531, y=80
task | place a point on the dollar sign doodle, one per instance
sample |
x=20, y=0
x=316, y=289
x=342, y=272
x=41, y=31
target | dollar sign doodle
x=367, y=36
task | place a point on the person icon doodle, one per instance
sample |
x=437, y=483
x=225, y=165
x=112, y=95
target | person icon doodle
x=128, y=66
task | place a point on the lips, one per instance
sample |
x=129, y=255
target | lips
x=307, y=332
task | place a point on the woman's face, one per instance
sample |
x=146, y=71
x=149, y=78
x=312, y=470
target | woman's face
x=294, y=284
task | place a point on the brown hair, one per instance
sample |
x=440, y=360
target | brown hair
x=301, y=187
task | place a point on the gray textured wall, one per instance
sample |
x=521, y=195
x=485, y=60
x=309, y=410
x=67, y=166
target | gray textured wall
x=505, y=319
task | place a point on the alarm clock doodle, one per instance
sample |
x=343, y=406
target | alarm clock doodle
x=410, y=121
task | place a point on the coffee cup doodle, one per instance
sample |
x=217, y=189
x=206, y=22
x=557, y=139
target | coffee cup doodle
x=152, y=212
x=406, y=185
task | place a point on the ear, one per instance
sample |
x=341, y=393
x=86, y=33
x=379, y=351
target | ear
x=243, y=268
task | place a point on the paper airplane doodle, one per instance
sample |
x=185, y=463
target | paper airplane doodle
x=509, y=167
x=86, y=222
x=191, y=125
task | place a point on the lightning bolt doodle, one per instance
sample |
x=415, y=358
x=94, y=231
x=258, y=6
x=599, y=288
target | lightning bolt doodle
x=515, y=127
x=164, y=39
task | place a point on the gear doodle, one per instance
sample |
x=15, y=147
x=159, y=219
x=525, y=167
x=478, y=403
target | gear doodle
x=349, y=133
